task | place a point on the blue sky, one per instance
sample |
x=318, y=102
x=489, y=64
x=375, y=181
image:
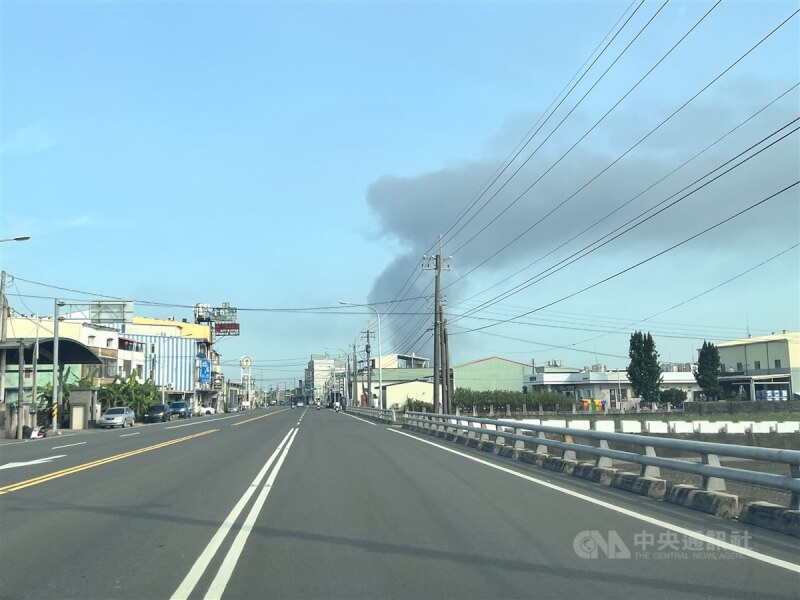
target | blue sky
x=288, y=155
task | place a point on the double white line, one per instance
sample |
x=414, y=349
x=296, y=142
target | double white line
x=225, y=571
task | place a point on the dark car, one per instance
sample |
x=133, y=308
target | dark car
x=158, y=413
x=181, y=409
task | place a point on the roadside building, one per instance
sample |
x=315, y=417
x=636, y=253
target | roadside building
x=601, y=386
x=764, y=368
x=174, y=352
x=491, y=374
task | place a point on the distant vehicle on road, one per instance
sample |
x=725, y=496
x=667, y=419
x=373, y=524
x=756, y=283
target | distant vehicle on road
x=158, y=413
x=119, y=416
x=181, y=409
x=206, y=410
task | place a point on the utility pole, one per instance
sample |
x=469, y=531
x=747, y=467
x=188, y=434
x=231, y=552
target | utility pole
x=354, y=383
x=3, y=316
x=438, y=264
x=20, y=387
x=369, y=371
x=446, y=387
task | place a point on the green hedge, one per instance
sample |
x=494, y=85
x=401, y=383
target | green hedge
x=466, y=399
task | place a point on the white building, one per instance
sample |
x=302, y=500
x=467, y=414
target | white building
x=597, y=383
x=765, y=367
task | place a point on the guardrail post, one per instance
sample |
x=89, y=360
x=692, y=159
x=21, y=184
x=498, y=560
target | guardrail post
x=603, y=461
x=794, y=502
x=649, y=470
x=712, y=484
x=541, y=448
x=568, y=454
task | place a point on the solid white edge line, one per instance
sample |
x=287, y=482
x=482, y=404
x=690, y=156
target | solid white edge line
x=217, y=587
x=789, y=566
x=67, y=446
x=201, y=564
x=359, y=419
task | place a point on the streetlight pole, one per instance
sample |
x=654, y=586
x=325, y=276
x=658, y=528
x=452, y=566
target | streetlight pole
x=380, y=351
x=3, y=317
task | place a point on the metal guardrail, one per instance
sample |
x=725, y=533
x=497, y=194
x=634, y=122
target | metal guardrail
x=712, y=473
x=380, y=414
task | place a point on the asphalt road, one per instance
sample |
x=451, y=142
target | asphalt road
x=302, y=503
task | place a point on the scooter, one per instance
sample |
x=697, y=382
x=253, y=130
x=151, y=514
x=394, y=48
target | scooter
x=317, y=406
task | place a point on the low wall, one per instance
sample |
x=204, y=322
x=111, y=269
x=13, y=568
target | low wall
x=729, y=407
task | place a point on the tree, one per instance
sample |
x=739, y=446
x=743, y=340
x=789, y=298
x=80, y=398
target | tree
x=643, y=370
x=674, y=396
x=708, y=369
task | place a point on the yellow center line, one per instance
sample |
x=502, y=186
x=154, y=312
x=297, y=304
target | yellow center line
x=260, y=417
x=90, y=465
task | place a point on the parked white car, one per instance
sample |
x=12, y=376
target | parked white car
x=206, y=410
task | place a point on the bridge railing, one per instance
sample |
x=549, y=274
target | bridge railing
x=378, y=414
x=713, y=474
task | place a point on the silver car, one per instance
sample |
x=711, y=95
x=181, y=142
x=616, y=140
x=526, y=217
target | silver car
x=119, y=416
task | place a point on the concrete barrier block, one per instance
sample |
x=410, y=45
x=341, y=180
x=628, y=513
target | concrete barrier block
x=606, y=425
x=656, y=427
x=787, y=427
x=762, y=427
x=771, y=516
x=507, y=452
x=697, y=424
x=681, y=427
x=560, y=465
x=539, y=458
x=630, y=426
x=718, y=504
x=624, y=481
x=599, y=475
x=584, y=424
x=740, y=427
x=652, y=487
x=473, y=442
x=527, y=456
x=583, y=470
x=708, y=427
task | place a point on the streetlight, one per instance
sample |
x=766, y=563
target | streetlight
x=380, y=352
x=19, y=238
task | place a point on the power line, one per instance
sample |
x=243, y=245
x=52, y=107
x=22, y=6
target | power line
x=522, y=144
x=646, y=25
x=646, y=260
x=610, y=237
x=626, y=203
x=679, y=109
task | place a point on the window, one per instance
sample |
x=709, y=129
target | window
x=624, y=393
x=777, y=363
x=90, y=340
x=109, y=342
x=722, y=367
x=139, y=370
x=739, y=366
x=757, y=364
